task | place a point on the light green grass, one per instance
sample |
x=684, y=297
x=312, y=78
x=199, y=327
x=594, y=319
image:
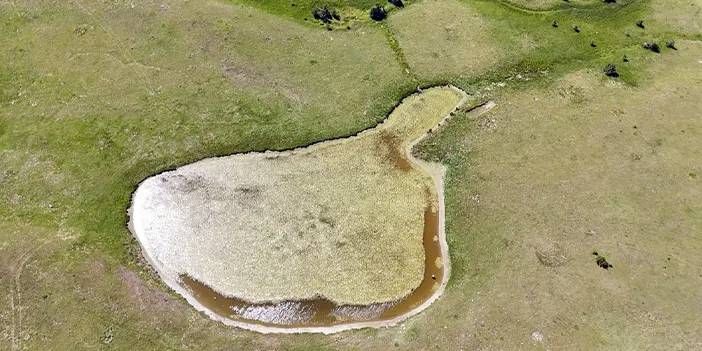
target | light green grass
x=84, y=118
x=590, y=165
x=88, y=116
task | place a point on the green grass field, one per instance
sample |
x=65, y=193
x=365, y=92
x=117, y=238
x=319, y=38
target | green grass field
x=96, y=96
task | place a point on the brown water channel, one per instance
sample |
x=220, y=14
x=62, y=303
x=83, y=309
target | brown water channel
x=322, y=312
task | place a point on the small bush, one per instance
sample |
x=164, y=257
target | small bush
x=602, y=261
x=611, y=71
x=652, y=47
x=397, y=3
x=325, y=14
x=378, y=13
x=81, y=30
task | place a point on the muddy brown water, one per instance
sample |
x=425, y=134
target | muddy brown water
x=322, y=312
x=392, y=145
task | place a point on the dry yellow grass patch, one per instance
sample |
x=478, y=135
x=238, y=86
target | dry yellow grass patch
x=340, y=219
x=546, y=4
x=447, y=38
x=681, y=16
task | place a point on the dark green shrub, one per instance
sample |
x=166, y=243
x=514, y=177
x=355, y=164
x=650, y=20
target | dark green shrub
x=378, y=13
x=611, y=71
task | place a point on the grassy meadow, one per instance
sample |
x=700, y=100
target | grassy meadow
x=97, y=95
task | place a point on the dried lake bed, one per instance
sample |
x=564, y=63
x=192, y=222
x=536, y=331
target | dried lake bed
x=343, y=234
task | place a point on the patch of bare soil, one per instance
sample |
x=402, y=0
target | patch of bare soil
x=551, y=254
x=145, y=296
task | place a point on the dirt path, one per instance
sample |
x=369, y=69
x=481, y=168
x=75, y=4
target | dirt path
x=16, y=294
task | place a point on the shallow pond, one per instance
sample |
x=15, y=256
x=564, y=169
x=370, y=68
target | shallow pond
x=322, y=312
x=342, y=234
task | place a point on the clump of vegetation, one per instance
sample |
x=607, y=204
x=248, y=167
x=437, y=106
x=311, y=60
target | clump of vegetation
x=81, y=30
x=576, y=29
x=609, y=1
x=602, y=261
x=397, y=3
x=640, y=24
x=378, y=13
x=554, y=24
x=611, y=71
x=652, y=46
x=551, y=255
x=671, y=45
x=325, y=14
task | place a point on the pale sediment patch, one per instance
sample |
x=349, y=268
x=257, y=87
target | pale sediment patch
x=340, y=220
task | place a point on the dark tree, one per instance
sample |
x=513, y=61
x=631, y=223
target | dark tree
x=611, y=71
x=652, y=46
x=378, y=13
x=640, y=24
x=325, y=14
x=397, y=3
x=576, y=29
x=602, y=262
x=670, y=44
x=554, y=24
